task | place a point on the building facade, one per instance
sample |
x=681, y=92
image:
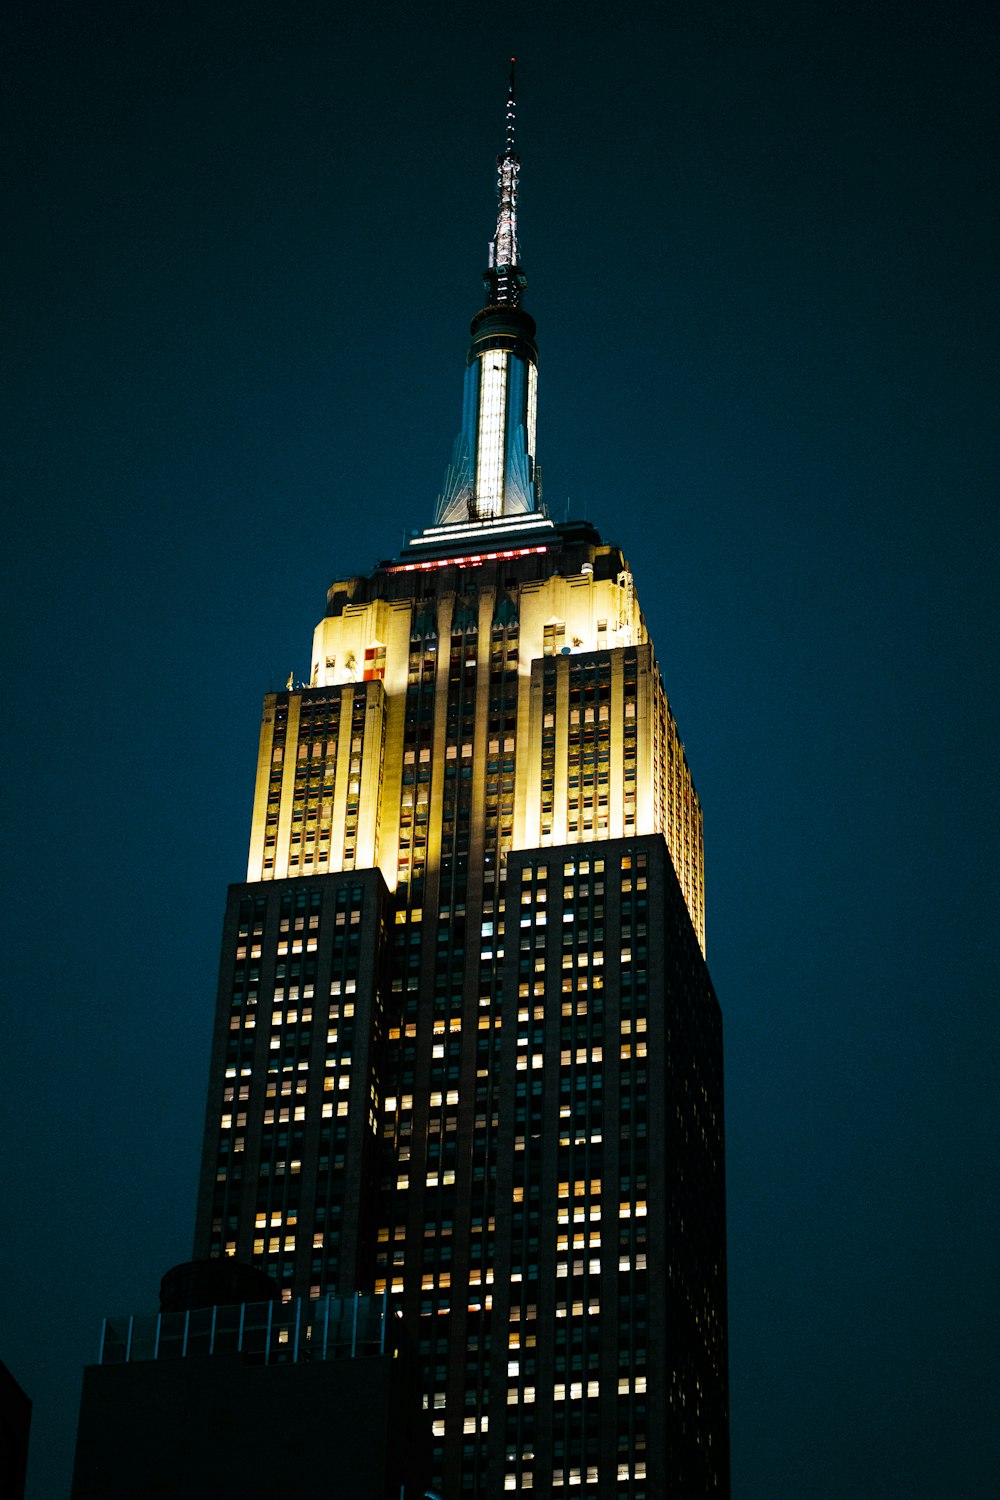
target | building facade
x=467, y=1052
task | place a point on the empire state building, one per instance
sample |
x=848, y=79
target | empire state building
x=467, y=1057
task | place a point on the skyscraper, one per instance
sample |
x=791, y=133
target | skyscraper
x=467, y=1052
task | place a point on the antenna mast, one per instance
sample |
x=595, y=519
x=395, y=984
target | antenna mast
x=508, y=279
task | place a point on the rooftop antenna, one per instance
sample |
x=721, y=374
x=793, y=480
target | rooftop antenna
x=504, y=251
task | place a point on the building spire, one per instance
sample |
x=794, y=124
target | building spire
x=493, y=472
x=504, y=279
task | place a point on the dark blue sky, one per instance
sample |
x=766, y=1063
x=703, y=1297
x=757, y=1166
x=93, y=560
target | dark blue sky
x=242, y=246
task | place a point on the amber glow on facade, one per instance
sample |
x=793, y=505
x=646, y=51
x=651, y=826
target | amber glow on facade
x=329, y=789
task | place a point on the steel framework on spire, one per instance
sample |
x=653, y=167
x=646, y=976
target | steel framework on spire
x=506, y=283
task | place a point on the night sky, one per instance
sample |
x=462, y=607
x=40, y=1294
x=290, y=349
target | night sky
x=242, y=244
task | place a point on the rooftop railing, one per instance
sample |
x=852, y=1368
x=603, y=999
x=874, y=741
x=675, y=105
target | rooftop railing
x=256, y=1332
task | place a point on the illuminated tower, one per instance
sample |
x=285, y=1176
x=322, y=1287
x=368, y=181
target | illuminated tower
x=492, y=471
x=467, y=1052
